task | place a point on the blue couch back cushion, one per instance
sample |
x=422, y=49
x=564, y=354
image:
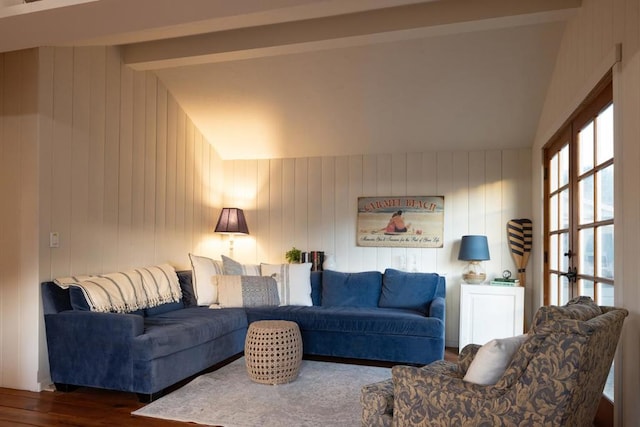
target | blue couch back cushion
x=316, y=287
x=413, y=291
x=351, y=289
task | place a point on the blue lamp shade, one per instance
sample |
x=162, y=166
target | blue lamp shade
x=474, y=248
x=232, y=221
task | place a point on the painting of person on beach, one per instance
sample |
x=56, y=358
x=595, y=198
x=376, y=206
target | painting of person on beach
x=409, y=222
x=396, y=224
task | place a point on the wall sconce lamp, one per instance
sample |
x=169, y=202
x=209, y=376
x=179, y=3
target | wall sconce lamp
x=232, y=222
x=474, y=249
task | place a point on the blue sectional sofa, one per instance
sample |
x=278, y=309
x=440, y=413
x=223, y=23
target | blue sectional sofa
x=394, y=317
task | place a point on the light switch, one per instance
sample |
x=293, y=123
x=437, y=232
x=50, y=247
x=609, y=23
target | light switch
x=54, y=239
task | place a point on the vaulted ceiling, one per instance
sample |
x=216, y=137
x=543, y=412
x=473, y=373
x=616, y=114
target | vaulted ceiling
x=294, y=78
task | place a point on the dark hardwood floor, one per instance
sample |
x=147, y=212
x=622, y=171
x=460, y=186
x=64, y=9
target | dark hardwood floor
x=83, y=407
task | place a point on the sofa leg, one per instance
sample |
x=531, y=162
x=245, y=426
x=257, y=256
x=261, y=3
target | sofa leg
x=149, y=397
x=65, y=387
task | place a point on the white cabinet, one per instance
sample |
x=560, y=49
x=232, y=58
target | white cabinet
x=488, y=312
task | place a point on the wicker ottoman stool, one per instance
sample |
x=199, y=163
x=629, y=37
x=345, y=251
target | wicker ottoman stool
x=273, y=351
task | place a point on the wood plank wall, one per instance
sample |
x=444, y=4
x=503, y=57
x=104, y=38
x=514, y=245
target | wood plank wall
x=19, y=293
x=311, y=203
x=586, y=53
x=128, y=181
x=107, y=158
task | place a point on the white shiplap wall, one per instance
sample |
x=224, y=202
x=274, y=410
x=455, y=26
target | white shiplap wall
x=105, y=157
x=129, y=180
x=311, y=203
x=19, y=294
x=587, y=52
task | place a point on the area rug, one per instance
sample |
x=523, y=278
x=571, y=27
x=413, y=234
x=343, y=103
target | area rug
x=324, y=394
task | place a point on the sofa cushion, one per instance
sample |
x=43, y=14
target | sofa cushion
x=294, y=282
x=408, y=290
x=234, y=268
x=184, y=329
x=385, y=321
x=163, y=308
x=351, y=289
x=316, y=287
x=188, y=293
x=246, y=291
x=203, y=272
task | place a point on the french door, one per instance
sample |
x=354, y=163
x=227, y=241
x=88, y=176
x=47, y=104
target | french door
x=579, y=166
x=579, y=215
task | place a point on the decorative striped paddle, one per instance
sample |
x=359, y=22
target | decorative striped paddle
x=520, y=236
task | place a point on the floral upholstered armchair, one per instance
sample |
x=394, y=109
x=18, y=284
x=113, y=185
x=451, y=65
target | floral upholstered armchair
x=554, y=378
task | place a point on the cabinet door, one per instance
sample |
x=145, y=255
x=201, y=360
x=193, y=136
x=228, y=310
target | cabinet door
x=488, y=312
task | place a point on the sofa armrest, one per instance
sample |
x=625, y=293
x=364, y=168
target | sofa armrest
x=89, y=348
x=424, y=396
x=437, y=308
x=90, y=326
x=377, y=404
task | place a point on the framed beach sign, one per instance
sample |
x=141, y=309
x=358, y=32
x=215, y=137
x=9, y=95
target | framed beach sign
x=401, y=222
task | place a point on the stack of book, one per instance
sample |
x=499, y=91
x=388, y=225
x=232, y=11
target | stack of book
x=499, y=281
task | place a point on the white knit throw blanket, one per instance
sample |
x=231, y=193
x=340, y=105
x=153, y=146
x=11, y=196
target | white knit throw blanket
x=127, y=290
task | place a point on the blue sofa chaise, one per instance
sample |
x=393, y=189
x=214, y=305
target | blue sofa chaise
x=392, y=317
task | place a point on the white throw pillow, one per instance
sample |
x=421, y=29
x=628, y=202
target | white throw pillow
x=492, y=360
x=234, y=268
x=203, y=271
x=294, y=282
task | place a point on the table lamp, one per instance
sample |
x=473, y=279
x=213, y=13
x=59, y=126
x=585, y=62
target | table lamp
x=232, y=222
x=474, y=249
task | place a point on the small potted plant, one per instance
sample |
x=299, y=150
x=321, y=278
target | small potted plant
x=293, y=255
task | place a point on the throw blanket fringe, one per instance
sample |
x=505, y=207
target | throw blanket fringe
x=129, y=290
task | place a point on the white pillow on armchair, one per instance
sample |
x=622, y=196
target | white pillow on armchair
x=492, y=360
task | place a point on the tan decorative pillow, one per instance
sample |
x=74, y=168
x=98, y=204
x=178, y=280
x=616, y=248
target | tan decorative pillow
x=246, y=291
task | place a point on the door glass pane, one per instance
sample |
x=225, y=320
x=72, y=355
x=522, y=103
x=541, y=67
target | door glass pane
x=564, y=248
x=586, y=288
x=564, y=290
x=586, y=200
x=553, y=174
x=605, y=193
x=605, y=294
x=553, y=214
x=608, y=387
x=553, y=252
x=563, y=166
x=563, y=209
x=553, y=288
x=604, y=134
x=587, y=265
x=605, y=249
x=585, y=148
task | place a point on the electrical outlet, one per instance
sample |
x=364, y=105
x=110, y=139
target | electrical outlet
x=54, y=239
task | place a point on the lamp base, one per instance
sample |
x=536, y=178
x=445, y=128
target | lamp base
x=474, y=273
x=474, y=278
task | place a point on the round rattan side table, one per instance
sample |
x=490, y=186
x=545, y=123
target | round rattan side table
x=273, y=351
